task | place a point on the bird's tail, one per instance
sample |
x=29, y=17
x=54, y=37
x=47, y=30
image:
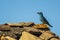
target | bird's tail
x=50, y=25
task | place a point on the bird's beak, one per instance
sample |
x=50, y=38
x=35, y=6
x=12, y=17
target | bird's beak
x=38, y=13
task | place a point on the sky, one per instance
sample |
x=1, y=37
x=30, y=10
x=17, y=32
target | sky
x=14, y=11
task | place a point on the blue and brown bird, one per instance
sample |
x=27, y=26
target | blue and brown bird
x=43, y=19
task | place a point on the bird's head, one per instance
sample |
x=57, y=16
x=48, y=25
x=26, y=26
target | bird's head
x=40, y=13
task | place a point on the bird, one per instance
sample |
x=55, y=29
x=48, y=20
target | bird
x=43, y=19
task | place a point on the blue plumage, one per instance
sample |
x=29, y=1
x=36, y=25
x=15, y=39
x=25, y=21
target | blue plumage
x=43, y=19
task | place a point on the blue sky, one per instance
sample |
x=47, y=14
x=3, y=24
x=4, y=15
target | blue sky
x=26, y=11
